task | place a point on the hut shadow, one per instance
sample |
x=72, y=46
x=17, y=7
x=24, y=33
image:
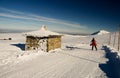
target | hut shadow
x=19, y=45
x=108, y=67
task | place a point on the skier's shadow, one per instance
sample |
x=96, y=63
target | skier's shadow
x=70, y=47
x=19, y=45
x=73, y=47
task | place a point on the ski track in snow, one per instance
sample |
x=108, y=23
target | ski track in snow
x=58, y=65
x=79, y=62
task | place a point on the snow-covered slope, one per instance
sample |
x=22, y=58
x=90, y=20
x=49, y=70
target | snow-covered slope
x=75, y=59
x=101, y=32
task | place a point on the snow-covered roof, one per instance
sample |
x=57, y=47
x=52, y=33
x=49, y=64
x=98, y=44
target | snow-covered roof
x=41, y=33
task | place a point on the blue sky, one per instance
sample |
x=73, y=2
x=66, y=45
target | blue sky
x=71, y=16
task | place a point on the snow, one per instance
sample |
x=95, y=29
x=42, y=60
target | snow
x=75, y=59
x=114, y=61
x=41, y=33
x=101, y=32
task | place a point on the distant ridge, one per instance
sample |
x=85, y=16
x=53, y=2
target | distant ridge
x=13, y=31
x=101, y=32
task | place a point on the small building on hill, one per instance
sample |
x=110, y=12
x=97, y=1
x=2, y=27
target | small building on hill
x=42, y=40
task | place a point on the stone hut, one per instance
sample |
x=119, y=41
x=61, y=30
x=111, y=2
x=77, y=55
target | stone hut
x=42, y=40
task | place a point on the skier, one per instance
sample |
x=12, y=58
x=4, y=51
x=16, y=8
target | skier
x=93, y=44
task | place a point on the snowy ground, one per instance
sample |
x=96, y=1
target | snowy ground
x=74, y=60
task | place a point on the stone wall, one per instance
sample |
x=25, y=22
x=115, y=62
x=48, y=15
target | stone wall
x=54, y=42
x=44, y=43
x=31, y=43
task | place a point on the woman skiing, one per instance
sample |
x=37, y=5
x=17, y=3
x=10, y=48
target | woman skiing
x=93, y=44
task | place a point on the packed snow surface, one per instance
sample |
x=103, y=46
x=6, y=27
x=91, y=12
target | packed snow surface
x=75, y=59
